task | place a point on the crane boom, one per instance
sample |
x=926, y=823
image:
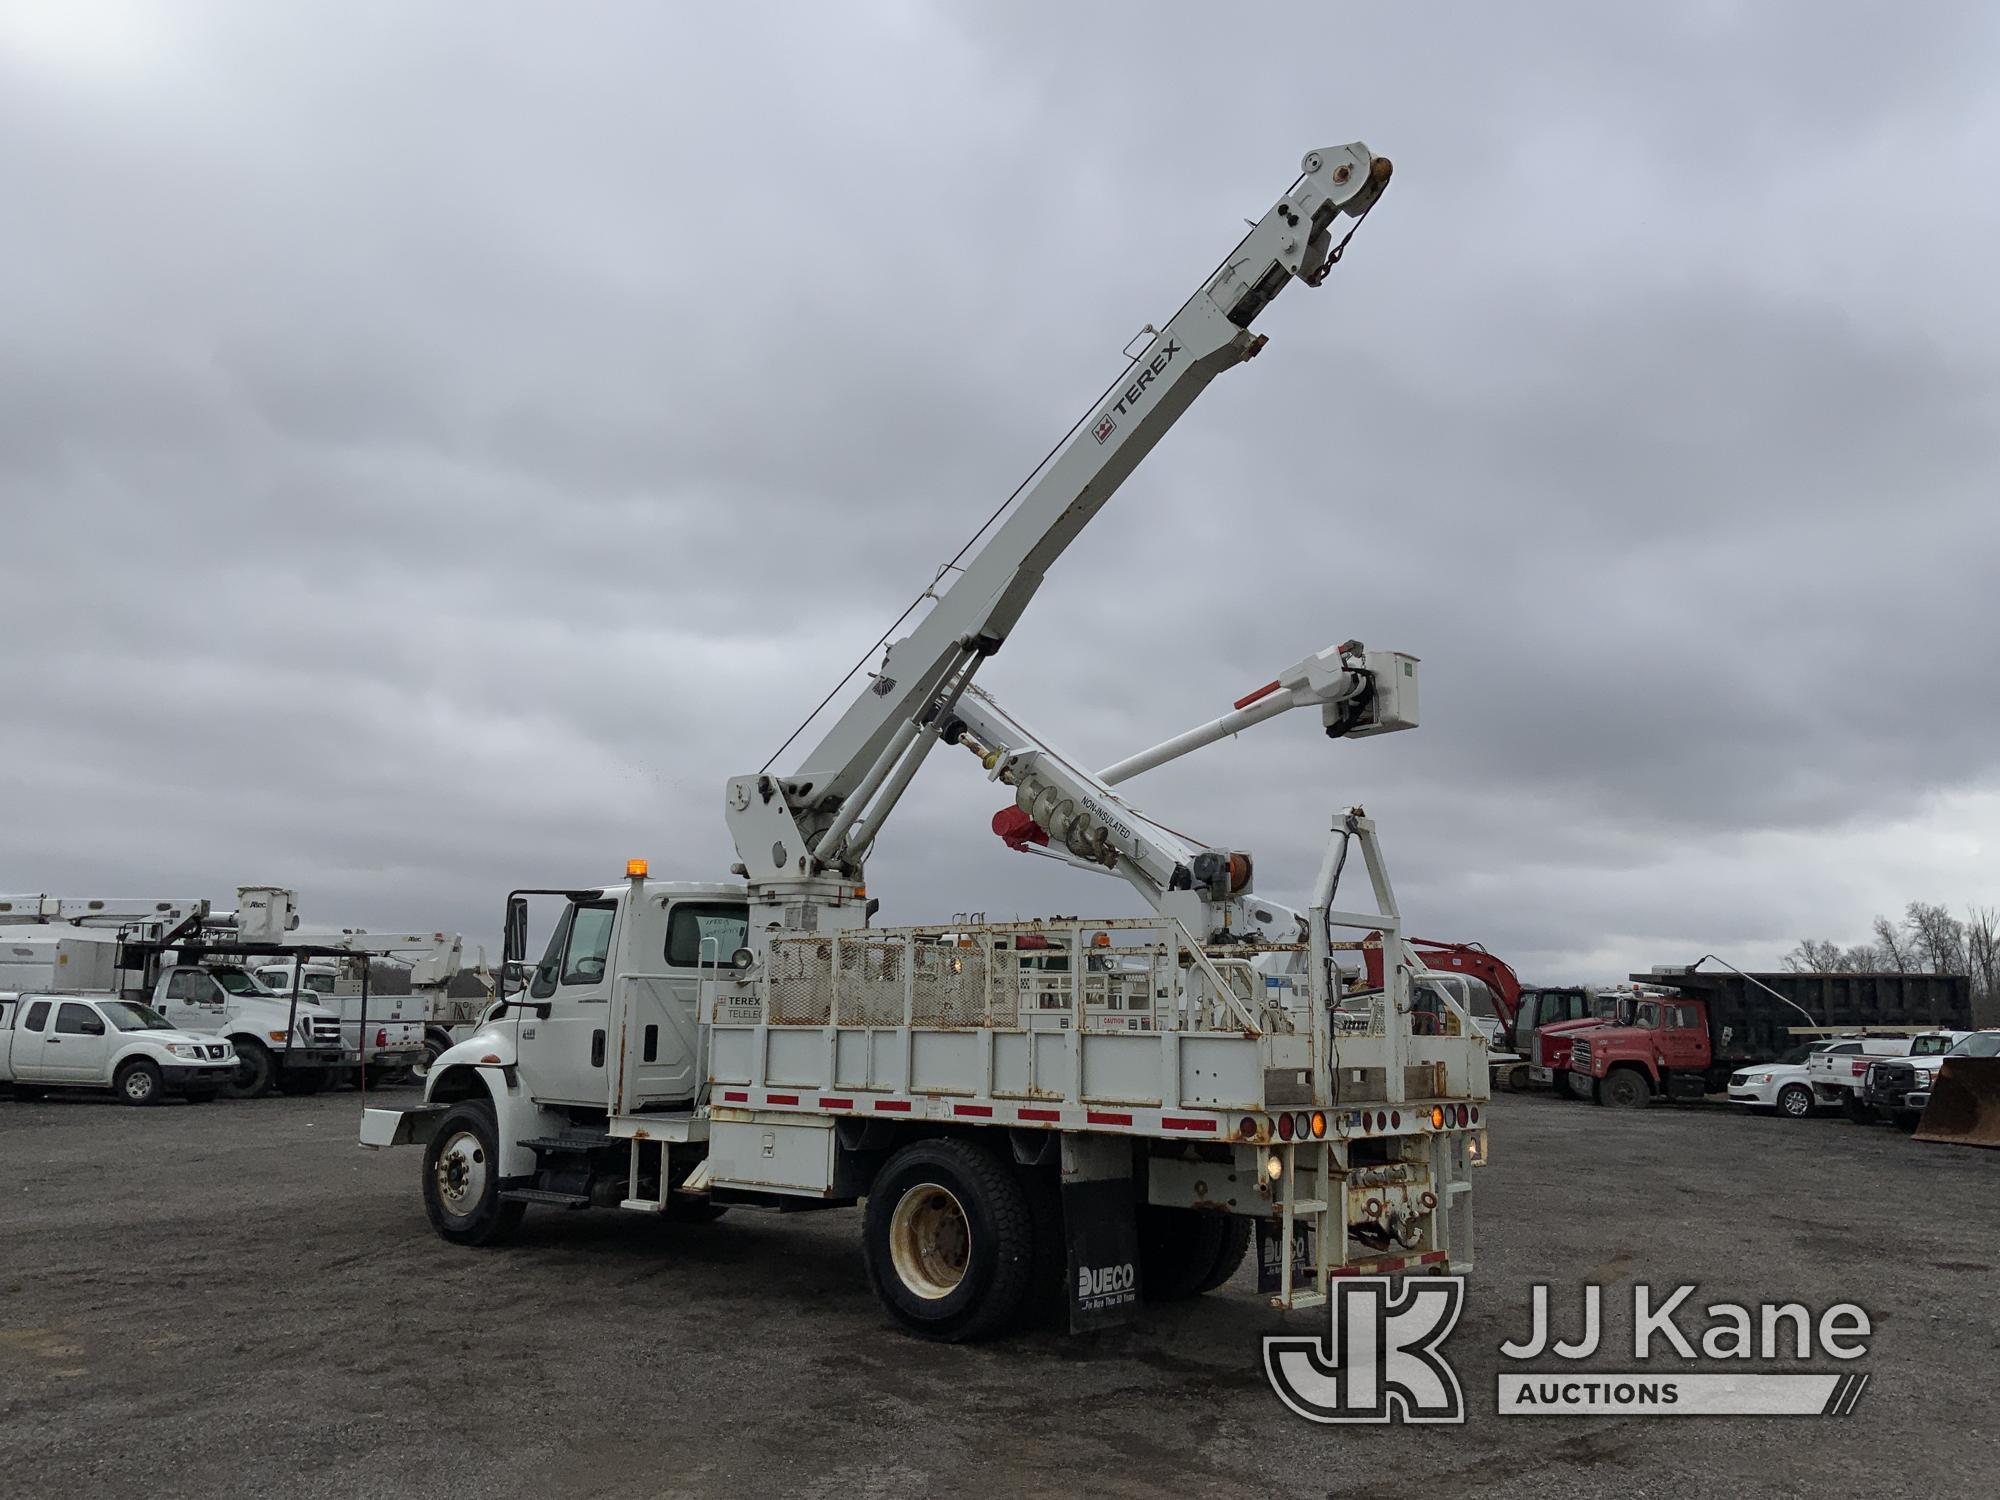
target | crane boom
x=1081, y=818
x=816, y=825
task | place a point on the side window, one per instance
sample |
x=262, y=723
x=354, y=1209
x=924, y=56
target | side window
x=78, y=1020
x=188, y=984
x=1844, y=1049
x=1681, y=1018
x=38, y=1016
x=589, y=945
x=706, y=933
x=544, y=984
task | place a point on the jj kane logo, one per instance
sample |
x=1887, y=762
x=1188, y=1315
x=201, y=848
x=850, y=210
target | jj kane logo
x=1381, y=1359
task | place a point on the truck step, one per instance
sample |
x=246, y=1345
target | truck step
x=543, y=1195
x=575, y=1141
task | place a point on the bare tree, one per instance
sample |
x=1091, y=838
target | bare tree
x=1937, y=937
x=1815, y=956
x=1892, y=948
x=1860, y=959
x=1982, y=950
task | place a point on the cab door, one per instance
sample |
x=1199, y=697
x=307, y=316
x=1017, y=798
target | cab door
x=78, y=1045
x=31, y=1039
x=193, y=1001
x=1684, y=1038
x=562, y=1052
x=702, y=938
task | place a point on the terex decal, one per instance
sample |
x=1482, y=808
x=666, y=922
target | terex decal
x=1135, y=392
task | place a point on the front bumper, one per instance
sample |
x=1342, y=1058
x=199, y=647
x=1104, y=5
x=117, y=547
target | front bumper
x=307, y=1057
x=400, y=1127
x=384, y=1057
x=195, y=1078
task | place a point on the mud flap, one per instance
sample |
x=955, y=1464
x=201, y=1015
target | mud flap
x=1964, y=1109
x=1270, y=1259
x=1100, y=1203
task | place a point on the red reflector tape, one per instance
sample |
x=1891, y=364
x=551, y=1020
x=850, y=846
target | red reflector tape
x=736, y=1096
x=1050, y=1115
x=977, y=1111
x=894, y=1106
x=836, y=1104
x=781, y=1098
x=1179, y=1122
x=1106, y=1117
x=1432, y=1257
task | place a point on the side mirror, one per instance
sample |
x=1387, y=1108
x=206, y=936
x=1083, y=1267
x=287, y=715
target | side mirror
x=515, y=942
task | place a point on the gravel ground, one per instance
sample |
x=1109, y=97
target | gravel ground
x=219, y=1299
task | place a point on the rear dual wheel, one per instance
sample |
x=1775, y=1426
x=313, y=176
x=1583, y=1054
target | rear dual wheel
x=1184, y=1252
x=948, y=1240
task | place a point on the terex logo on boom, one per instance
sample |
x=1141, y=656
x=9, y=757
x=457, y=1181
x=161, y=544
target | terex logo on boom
x=1155, y=367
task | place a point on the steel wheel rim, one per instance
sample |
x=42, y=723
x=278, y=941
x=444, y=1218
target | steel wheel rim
x=138, y=1084
x=461, y=1173
x=930, y=1241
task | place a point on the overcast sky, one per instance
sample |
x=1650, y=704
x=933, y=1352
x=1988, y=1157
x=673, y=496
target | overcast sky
x=440, y=444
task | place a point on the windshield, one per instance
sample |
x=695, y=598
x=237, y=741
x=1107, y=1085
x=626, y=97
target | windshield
x=1799, y=1054
x=1930, y=1046
x=1982, y=1044
x=129, y=1017
x=238, y=982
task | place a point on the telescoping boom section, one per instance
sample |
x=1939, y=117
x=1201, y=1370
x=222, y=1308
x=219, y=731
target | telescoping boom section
x=1088, y=1113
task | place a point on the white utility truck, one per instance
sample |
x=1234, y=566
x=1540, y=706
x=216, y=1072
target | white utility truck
x=202, y=967
x=431, y=961
x=392, y=1033
x=95, y=1042
x=272, y=1042
x=687, y=1046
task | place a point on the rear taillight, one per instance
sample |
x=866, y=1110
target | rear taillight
x=382, y=1037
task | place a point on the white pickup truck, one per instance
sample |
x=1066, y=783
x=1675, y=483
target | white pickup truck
x=96, y=1042
x=394, y=1024
x=1839, y=1072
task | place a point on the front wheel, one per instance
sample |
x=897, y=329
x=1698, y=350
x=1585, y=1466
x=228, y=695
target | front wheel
x=1795, y=1101
x=1625, y=1089
x=462, y=1178
x=254, y=1072
x=139, y=1083
x=948, y=1240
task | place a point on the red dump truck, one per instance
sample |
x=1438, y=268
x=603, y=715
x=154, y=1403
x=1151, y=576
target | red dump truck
x=1684, y=1039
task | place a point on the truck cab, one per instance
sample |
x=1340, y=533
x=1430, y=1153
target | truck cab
x=658, y=939
x=1549, y=1018
x=273, y=1046
x=1664, y=1049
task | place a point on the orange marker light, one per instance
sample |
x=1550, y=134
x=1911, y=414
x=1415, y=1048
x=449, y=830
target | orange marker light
x=636, y=868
